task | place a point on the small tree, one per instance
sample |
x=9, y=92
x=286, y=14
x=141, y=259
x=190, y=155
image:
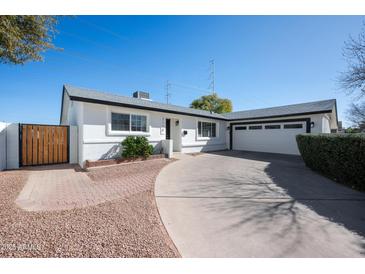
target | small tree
x=24, y=37
x=212, y=103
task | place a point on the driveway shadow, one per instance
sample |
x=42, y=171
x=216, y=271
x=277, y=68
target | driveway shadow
x=327, y=198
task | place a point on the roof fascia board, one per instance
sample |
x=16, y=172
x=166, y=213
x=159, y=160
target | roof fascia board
x=279, y=116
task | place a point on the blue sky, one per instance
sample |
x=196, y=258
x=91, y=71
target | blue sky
x=261, y=61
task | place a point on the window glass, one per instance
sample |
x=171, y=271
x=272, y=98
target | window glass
x=293, y=126
x=120, y=122
x=272, y=127
x=207, y=129
x=139, y=123
x=128, y=122
x=241, y=128
x=255, y=127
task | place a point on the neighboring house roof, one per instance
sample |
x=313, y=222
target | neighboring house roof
x=324, y=106
x=92, y=96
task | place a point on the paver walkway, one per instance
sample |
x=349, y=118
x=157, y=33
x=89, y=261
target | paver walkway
x=64, y=187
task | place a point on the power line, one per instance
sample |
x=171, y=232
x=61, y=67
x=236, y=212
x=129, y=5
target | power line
x=167, y=89
x=212, y=76
x=205, y=91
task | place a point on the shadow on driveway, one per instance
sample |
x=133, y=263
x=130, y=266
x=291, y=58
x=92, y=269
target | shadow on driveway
x=327, y=198
x=246, y=204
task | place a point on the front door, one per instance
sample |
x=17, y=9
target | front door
x=168, y=129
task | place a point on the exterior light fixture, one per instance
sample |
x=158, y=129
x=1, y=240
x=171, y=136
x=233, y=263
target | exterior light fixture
x=312, y=124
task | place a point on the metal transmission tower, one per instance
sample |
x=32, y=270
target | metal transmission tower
x=167, y=89
x=212, y=76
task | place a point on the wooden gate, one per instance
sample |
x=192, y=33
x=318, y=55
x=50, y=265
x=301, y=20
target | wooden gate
x=43, y=144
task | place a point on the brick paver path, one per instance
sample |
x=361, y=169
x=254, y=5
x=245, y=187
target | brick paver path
x=64, y=187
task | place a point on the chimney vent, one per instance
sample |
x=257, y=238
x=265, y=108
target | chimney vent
x=141, y=95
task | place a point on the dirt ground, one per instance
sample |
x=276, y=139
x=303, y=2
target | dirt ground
x=128, y=227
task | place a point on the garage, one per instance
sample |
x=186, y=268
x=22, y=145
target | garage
x=268, y=136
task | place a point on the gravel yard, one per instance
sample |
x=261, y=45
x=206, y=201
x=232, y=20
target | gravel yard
x=127, y=227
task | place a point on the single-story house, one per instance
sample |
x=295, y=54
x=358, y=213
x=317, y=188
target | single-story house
x=103, y=120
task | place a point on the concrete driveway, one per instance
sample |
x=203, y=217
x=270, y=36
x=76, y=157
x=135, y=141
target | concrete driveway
x=244, y=204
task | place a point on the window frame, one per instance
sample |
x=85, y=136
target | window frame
x=293, y=126
x=129, y=132
x=201, y=121
x=131, y=123
x=272, y=126
x=111, y=120
x=255, y=127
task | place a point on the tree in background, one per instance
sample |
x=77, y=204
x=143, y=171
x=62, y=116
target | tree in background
x=356, y=115
x=353, y=80
x=212, y=103
x=24, y=37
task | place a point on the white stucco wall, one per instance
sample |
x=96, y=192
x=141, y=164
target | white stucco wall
x=2, y=146
x=326, y=126
x=12, y=144
x=73, y=145
x=9, y=145
x=192, y=143
x=73, y=116
x=97, y=141
x=167, y=148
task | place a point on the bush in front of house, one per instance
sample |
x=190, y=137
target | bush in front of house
x=136, y=146
x=340, y=157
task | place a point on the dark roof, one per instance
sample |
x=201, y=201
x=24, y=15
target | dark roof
x=282, y=111
x=92, y=96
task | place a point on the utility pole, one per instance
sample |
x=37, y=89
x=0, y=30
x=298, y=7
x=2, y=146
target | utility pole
x=212, y=76
x=167, y=89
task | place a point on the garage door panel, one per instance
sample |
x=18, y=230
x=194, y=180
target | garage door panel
x=269, y=138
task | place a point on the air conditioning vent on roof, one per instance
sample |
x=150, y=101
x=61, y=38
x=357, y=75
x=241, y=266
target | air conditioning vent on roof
x=141, y=95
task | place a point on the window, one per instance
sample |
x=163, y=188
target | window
x=129, y=122
x=272, y=127
x=293, y=126
x=240, y=128
x=120, y=122
x=207, y=129
x=139, y=123
x=255, y=127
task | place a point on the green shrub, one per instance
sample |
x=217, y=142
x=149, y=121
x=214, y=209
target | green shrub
x=340, y=157
x=136, y=146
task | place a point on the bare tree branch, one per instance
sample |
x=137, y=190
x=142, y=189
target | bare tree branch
x=353, y=79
